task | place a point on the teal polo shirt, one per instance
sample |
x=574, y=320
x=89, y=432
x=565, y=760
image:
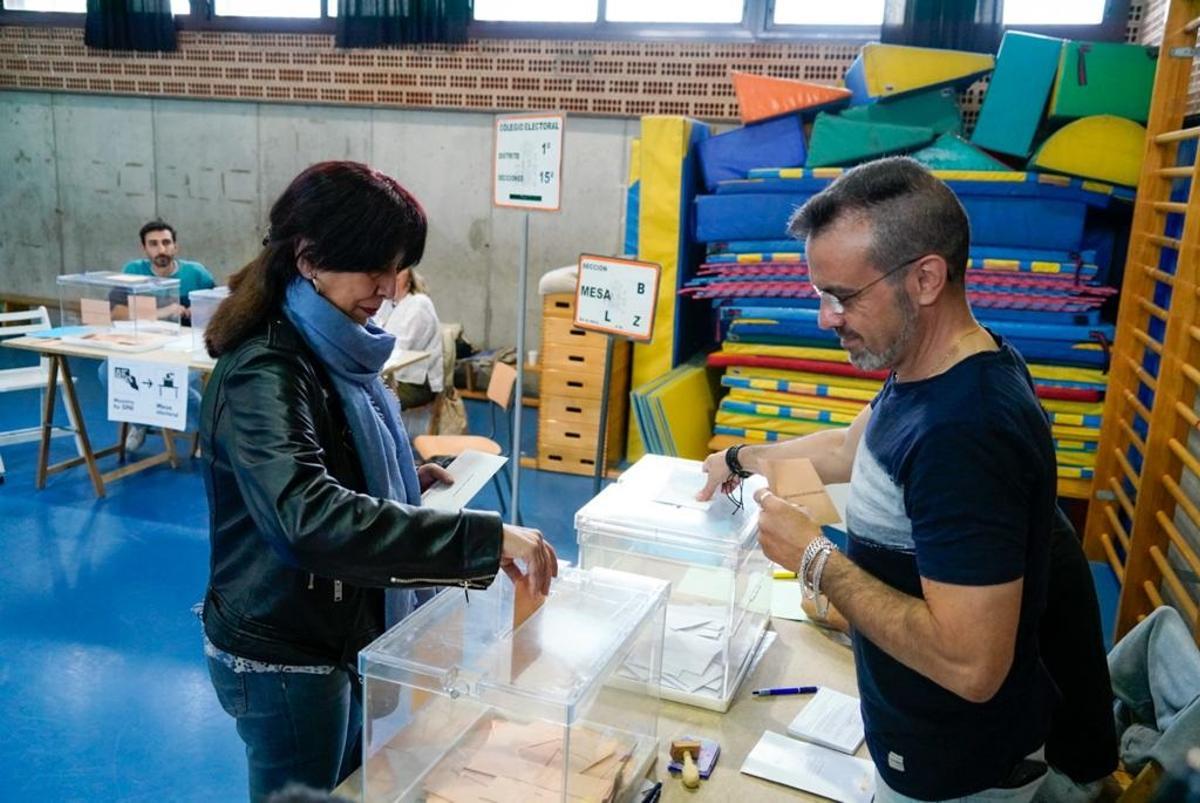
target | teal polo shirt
x=191, y=276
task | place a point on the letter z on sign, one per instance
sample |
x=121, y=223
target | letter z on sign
x=616, y=296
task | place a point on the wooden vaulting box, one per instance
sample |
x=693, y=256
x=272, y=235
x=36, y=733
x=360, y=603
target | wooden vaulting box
x=571, y=388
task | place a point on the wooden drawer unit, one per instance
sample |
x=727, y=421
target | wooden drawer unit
x=578, y=435
x=559, y=305
x=563, y=382
x=574, y=360
x=568, y=461
x=571, y=446
x=572, y=381
x=570, y=411
x=561, y=333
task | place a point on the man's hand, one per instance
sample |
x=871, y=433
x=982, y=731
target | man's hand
x=784, y=529
x=431, y=474
x=719, y=476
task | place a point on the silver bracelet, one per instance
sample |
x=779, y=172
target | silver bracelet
x=819, y=570
x=810, y=552
x=817, y=545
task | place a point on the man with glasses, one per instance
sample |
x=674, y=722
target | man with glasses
x=952, y=496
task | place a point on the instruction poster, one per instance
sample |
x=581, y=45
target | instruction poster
x=147, y=393
x=527, y=170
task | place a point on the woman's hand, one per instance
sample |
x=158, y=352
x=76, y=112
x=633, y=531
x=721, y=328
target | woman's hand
x=431, y=474
x=528, y=545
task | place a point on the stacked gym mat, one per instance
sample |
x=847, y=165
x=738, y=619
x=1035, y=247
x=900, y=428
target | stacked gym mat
x=1042, y=241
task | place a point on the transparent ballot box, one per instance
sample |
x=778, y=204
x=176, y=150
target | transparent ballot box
x=118, y=311
x=203, y=304
x=649, y=523
x=460, y=705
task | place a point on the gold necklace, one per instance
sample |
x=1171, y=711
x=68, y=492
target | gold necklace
x=945, y=364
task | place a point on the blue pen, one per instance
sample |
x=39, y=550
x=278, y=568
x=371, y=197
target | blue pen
x=785, y=690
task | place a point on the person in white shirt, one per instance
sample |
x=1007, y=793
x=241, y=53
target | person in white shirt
x=413, y=320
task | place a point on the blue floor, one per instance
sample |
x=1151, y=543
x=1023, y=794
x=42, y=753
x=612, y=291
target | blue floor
x=103, y=690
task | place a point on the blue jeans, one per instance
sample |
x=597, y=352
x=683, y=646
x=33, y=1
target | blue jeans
x=1155, y=672
x=195, y=394
x=297, y=727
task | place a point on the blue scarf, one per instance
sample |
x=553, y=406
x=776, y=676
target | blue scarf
x=353, y=354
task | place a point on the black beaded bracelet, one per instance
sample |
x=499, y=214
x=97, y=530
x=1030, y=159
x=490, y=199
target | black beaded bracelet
x=733, y=464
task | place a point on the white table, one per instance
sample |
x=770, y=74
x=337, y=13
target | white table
x=57, y=352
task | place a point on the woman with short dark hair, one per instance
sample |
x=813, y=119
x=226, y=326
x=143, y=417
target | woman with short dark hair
x=313, y=492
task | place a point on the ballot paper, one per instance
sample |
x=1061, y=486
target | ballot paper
x=681, y=487
x=500, y=761
x=471, y=470
x=812, y=768
x=692, y=646
x=830, y=719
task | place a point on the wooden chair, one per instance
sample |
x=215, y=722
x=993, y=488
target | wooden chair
x=33, y=377
x=500, y=395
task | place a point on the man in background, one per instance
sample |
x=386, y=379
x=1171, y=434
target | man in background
x=160, y=246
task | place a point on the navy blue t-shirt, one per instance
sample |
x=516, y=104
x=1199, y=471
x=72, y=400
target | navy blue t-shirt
x=954, y=481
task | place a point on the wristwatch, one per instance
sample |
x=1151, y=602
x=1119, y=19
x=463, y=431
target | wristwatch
x=733, y=464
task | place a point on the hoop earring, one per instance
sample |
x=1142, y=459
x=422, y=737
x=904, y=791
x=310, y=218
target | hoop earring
x=316, y=286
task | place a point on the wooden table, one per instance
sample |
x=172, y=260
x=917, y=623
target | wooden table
x=57, y=352
x=801, y=654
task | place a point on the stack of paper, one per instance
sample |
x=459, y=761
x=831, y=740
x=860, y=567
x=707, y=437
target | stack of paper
x=500, y=761
x=691, y=660
x=811, y=768
x=830, y=719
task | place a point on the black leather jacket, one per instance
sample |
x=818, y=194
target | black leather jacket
x=300, y=552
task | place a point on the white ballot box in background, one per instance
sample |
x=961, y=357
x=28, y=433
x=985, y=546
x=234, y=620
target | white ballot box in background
x=119, y=312
x=204, y=306
x=461, y=705
x=649, y=523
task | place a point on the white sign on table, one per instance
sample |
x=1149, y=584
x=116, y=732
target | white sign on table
x=147, y=393
x=527, y=169
x=617, y=296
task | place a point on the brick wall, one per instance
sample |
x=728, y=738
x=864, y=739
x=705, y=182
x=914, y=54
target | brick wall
x=1153, y=19
x=622, y=79
x=626, y=79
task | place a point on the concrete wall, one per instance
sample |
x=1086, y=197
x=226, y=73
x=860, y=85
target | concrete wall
x=80, y=174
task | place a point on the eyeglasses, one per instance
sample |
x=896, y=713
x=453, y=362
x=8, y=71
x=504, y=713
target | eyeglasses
x=837, y=303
